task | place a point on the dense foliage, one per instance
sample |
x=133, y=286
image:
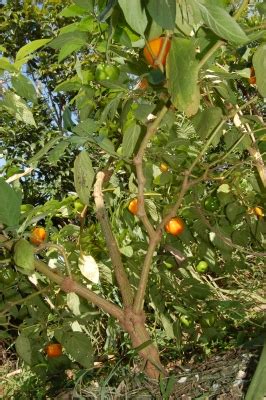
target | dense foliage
x=82, y=111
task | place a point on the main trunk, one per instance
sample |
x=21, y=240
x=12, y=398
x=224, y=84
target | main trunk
x=134, y=324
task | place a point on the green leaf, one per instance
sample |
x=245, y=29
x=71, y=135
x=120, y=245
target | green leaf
x=10, y=202
x=30, y=48
x=83, y=176
x=86, y=128
x=69, y=38
x=86, y=4
x=182, y=75
x=24, y=87
x=18, y=108
x=57, y=152
x=69, y=85
x=43, y=151
x=221, y=23
x=130, y=138
x=207, y=120
x=24, y=349
x=6, y=65
x=163, y=12
x=24, y=255
x=259, y=63
x=72, y=11
x=78, y=345
x=68, y=49
x=134, y=14
x=233, y=211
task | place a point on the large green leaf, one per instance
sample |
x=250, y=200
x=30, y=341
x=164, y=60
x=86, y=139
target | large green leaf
x=10, y=202
x=221, y=23
x=259, y=62
x=134, y=14
x=182, y=75
x=86, y=128
x=24, y=349
x=130, y=139
x=24, y=87
x=163, y=12
x=30, y=48
x=24, y=255
x=206, y=121
x=83, y=176
x=69, y=39
x=78, y=345
x=18, y=108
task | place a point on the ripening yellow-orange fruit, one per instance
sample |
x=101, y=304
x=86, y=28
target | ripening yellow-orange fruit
x=38, y=235
x=258, y=211
x=133, y=206
x=153, y=49
x=164, y=167
x=175, y=226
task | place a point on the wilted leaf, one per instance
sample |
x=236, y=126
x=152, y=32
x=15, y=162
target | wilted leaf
x=89, y=268
x=73, y=303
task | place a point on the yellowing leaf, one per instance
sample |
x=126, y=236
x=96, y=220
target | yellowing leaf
x=89, y=268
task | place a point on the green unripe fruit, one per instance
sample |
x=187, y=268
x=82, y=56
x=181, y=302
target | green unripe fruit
x=107, y=72
x=202, y=267
x=211, y=203
x=186, y=320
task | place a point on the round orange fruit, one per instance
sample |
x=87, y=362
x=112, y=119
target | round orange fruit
x=175, y=226
x=133, y=206
x=38, y=236
x=153, y=49
x=53, y=350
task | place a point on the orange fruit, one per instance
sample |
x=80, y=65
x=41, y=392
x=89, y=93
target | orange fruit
x=133, y=206
x=252, y=79
x=53, y=350
x=164, y=167
x=38, y=235
x=152, y=52
x=175, y=226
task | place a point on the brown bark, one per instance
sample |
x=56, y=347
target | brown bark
x=134, y=324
